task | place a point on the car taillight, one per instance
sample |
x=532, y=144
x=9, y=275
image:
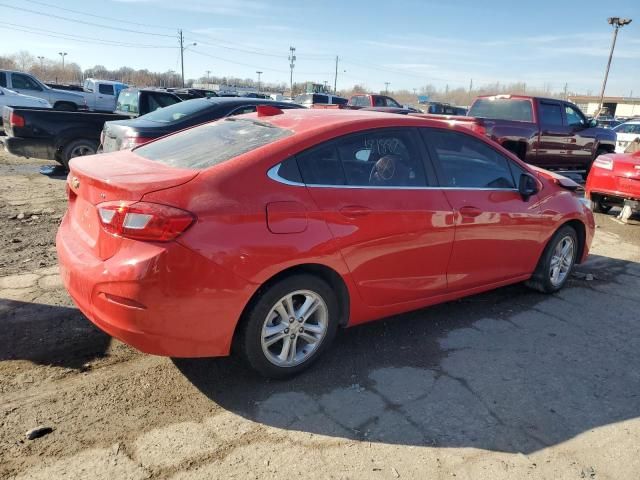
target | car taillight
x=102, y=137
x=131, y=142
x=605, y=163
x=144, y=221
x=16, y=120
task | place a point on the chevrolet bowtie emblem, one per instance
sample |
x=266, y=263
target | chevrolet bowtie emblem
x=75, y=183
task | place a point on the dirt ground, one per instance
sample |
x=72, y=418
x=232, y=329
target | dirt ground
x=508, y=384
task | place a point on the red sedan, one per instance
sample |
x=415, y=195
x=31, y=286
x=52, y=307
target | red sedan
x=266, y=232
x=614, y=180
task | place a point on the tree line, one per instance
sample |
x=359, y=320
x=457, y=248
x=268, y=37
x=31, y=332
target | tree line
x=52, y=71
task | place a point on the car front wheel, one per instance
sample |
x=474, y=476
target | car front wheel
x=557, y=261
x=289, y=325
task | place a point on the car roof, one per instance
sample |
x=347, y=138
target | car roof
x=310, y=121
x=521, y=97
x=107, y=82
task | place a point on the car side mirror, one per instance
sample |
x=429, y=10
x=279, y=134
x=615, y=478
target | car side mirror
x=592, y=123
x=527, y=186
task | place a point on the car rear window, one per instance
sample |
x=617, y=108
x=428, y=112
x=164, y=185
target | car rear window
x=212, y=143
x=178, y=111
x=502, y=109
x=128, y=102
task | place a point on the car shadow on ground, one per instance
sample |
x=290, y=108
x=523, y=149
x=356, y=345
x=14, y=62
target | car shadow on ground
x=510, y=370
x=49, y=335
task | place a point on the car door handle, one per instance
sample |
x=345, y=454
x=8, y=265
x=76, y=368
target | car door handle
x=354, y=211
x=470, y=211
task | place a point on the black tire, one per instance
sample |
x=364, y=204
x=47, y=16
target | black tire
x=78, y=148
x=65, y=107
x=250, y=330
x=541, y=279
x=598, y=205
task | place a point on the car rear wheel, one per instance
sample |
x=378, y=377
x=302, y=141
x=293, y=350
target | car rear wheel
x=289, y=325
x=598, y=205
x=78, y=148
x=557, y=261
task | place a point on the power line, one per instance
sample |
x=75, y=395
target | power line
x=102, y=17
x=236, y=63
x=73, y=20
x=78, y=38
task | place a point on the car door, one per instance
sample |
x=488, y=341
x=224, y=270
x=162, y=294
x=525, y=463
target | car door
x=579, y=146
x=555, y=135
x=392, y=225
x=24, y=84
x=497, y=232
x=105, y=97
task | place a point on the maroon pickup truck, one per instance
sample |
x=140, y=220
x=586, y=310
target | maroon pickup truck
x=546, y=132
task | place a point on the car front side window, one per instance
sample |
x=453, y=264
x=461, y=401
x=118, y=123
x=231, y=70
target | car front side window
x=23, y=82
x=468, y=163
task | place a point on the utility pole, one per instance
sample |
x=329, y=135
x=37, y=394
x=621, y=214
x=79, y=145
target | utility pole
x=259, y=73
x=182, y=49
x=617, y=23
x=386, y=88
x=62, y=54
x=566, y=86
x=208, y=81
x=335, y=79
x=471, y=86
x=292, y=63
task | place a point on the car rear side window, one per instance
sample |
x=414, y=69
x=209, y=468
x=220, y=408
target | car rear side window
x=128, y=102
x=212, y=143
x=105, y=89
x=518, y=110
x=466, y=162
x=550, y=114
x=378, y=158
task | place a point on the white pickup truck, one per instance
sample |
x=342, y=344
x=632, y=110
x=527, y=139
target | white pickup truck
x=102, y=95
x=27, y=84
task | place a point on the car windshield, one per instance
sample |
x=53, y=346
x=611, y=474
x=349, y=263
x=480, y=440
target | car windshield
x=178, y=111
x=212, y=143
x=502, y=109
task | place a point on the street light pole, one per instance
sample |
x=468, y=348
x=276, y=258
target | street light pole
x=386, y=88
x=617, y=23
x=208, y=81
x=292, y=63
x=259, y=73
x=41, y=58
x=62, y=54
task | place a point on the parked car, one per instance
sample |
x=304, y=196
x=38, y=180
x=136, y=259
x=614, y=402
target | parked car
x=546, y=132
x=102, y=95
x=269, y=231
x=438, y=108
x=13, y=99
x=309, y=99
x=607, y=122
x=614, y=180
x=27, y=84
x=371, y=100
x=61, y=136
x=126, y=134
x=625, y=134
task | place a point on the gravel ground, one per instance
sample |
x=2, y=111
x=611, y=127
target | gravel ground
x=508, y=384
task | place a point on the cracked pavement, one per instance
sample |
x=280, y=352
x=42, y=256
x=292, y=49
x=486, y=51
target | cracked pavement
x=508, y=384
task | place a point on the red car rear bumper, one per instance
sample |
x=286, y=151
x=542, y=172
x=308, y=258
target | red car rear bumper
x=160, y=298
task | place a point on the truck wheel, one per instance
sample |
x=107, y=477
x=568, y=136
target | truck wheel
x=65, y=107
x=78, y=148
x=600, y=151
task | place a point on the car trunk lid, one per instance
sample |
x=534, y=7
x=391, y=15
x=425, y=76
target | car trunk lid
x=120, y=176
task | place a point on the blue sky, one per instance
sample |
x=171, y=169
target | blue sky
x=409, y=43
